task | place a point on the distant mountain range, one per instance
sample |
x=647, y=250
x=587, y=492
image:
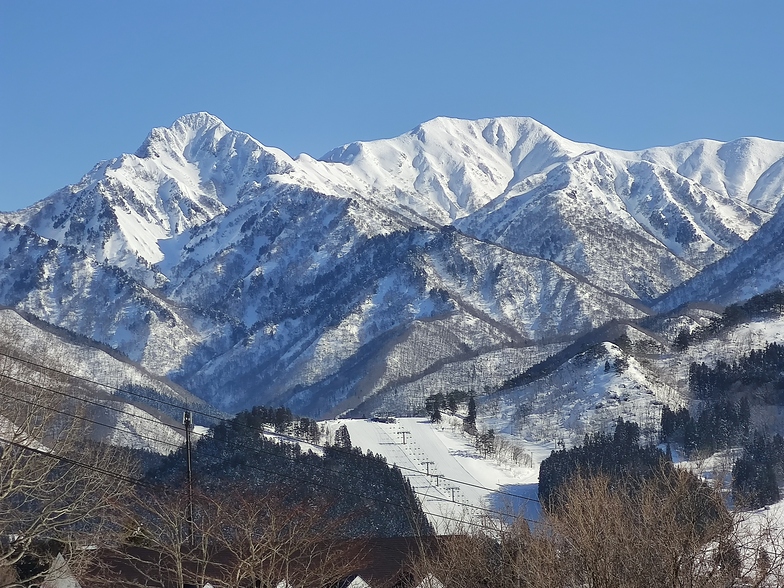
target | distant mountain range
x=461, y=252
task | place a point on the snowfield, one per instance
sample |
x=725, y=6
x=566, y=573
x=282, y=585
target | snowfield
x=453, y=482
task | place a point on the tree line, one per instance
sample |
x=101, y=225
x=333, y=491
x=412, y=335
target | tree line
x=378, y=496
x=719, y=426
x=751, y=371
x=615, y=513
x=260, y=508
x=769, y=304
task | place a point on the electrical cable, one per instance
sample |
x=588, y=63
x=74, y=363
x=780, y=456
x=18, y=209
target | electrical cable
x=230, y=446
x=87, y=420
x=77, y=463
x=310, y=482
x=284, y=436
x=93, y=403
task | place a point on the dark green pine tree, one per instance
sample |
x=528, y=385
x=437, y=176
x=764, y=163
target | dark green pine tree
x=768, y=486
x=469, y=423
x=745, y=416
x=690, y=437
x=681, y=342
x=342, y=438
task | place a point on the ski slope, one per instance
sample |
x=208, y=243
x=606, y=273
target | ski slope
x=453, y=482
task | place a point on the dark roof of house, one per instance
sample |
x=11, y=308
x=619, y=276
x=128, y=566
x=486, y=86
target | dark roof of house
x=381, y=562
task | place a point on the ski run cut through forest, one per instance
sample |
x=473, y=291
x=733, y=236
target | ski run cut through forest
x=476, y=354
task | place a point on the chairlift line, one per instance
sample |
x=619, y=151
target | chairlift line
x=224, y=420
x=239, y=446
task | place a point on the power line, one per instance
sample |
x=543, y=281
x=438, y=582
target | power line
x=289, y=437
x=403, y=506
x=240, y=446
x=261, y=431
x=77, y=463
x=86, y=419
x=179, y=407
x=308, y=481
x=142, y=482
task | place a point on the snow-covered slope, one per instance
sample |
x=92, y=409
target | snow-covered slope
x=625, y=371
x=400, y=306
x=68, y=288
x=179, y=178
x=452, y=481
x=755, y=267
x=586, y=394
x=631, y=227
x=251, y=277
x=117, y=399
x=749, y=169
x=447, y=168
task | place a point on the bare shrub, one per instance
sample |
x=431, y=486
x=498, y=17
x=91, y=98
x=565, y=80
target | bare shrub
x=670, y=530
x=239, y=537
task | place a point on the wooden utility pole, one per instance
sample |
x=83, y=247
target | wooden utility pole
x=188, y=422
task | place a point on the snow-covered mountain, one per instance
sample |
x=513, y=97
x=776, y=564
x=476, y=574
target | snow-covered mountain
x=112, y=398
x=754, y=267
x=629, y=227
x=251, y=277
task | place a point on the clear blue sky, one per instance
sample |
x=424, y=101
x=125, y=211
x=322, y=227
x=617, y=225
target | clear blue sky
x=82, y=81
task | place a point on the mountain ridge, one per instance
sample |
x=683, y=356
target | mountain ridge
x=286, y=276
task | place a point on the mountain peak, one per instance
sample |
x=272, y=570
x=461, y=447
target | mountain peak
x=451, y=167
x=182, y=133
x=508, y=136
x=197, y=121
x=517, y=126
x=450, y=122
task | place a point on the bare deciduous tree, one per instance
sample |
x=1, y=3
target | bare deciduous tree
x=271, y=539
x=239, y=537
x=670, y=531
x=58, y=489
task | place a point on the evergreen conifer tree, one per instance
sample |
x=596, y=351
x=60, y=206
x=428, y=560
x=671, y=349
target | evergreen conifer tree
x=469, y=423
x=342, y=438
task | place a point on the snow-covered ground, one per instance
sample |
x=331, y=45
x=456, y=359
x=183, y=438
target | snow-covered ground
x=549, y=238
x=586, y=394
x=740, y=340
x=452, y=480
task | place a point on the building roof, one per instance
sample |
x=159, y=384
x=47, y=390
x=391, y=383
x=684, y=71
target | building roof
x=374, y=563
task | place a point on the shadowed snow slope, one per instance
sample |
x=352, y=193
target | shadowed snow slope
x=251, y=277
